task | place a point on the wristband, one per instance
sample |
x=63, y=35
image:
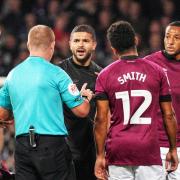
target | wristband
x=85, y=97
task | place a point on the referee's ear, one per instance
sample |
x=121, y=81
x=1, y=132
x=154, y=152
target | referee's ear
x=28, y=45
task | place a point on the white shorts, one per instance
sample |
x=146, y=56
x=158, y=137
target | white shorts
x=173, y=175
x=154, y=172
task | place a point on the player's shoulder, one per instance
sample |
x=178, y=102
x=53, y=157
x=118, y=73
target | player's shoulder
x=153, y=66
x=96, y=67
x=65, y=63
x=109, y=68
x=154, y=56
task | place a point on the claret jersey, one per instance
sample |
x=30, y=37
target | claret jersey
x=172, y=70
x=133, y=88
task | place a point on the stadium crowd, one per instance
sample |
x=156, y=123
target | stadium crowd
x=149, y=18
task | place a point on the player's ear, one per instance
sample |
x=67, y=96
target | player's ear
x=114, y=51
x=70, y=44
x=52, y=45
x=94, y=45
x=136, y=40
x=28, y=45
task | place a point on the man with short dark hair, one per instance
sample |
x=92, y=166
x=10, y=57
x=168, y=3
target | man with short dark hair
x=82, y=69
x=169, y=60
x=132, y=89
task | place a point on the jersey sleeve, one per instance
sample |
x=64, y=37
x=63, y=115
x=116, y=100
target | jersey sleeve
x=69, y=93
x=100, y=91
x=5, y=101
x=165, y=91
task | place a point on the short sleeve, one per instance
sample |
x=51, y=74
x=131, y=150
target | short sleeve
x=5, y=101
x=100, y=88
x=69, y=93
x=165, y=91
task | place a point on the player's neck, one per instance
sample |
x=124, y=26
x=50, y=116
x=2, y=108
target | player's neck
x=177, y=57
x=128, y=53
x=82, y=63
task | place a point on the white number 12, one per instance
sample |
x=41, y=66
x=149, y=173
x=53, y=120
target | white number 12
x=136, y=117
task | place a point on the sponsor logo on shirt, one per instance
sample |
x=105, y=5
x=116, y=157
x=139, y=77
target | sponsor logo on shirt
x=73, y=90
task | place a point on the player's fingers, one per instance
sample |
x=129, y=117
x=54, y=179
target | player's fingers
x=174, y=166
x=167, y=165
x=83, y=87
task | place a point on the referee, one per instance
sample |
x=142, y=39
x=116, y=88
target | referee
x=35, y=90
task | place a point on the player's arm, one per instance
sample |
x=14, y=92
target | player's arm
x=100, y=133
x=1, y=139
x=83, y=109
x=101, y=125
x=171, y=130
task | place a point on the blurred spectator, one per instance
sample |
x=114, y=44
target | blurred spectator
x=123, y=9
x=168, y=8
x=139, y=22
x=13, y=19
x=53, y=10
x=29, y=21
x=9, y=52
x=39, y=9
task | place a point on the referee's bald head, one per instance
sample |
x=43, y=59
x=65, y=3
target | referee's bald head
x=40, y=37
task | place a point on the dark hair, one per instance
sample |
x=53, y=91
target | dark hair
x=175, y=23
x=85, y=28
x=121, y=36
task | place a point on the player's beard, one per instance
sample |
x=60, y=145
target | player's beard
x=173, y=55
x=84, y=59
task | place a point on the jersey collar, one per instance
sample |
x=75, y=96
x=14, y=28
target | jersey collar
x=132, y=57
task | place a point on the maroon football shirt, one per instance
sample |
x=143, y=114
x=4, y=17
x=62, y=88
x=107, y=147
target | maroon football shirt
x=172, y=69
x=133, y=88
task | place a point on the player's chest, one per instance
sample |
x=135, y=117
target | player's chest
x=83, y=76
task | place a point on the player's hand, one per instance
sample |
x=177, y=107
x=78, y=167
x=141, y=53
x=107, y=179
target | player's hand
x=171, y=161
x=6, y=123
x=86, y=92
x=100, y=170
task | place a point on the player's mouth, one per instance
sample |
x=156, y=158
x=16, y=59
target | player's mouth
x=81, y=52
x=170, y=48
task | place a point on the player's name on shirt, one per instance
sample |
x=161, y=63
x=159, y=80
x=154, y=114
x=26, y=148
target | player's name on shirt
x=132, y=76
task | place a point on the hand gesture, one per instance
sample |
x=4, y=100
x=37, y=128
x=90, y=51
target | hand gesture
x=86, y=92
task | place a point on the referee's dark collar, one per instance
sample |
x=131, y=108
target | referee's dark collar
x=131, y=57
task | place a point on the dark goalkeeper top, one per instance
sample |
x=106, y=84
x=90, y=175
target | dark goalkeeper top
x=80, y=130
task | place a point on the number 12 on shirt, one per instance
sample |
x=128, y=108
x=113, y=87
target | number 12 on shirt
x=136, y=117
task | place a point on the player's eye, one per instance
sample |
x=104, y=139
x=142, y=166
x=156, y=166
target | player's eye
x=76, y=40
x=86, y=40
x=177, y=37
